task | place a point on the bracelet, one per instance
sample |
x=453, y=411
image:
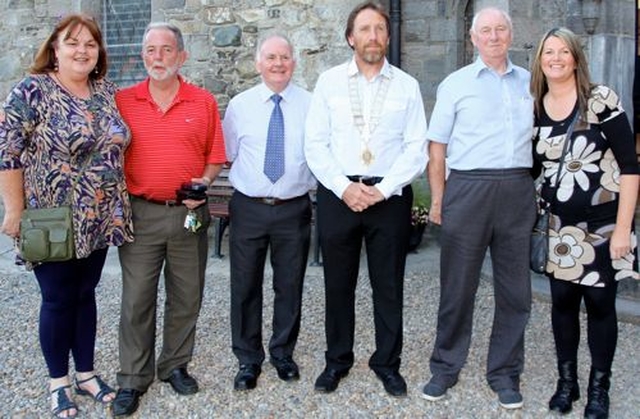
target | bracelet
x=206, y=179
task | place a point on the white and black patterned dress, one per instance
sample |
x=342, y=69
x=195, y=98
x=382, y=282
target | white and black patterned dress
x=584, y=213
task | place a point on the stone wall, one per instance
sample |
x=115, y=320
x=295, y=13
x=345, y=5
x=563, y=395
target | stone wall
x=221, y=35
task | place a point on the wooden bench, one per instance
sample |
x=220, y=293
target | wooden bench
x=219, y=194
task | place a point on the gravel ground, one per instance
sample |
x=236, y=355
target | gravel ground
x=360, y=395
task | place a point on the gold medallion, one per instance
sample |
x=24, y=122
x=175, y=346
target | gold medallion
x=367, y=157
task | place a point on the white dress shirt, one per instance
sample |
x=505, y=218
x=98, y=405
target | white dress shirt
x=333, y=143
x=245, y=126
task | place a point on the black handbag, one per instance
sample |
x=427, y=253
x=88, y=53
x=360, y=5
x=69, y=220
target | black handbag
x=540, y=243
x=540, y=234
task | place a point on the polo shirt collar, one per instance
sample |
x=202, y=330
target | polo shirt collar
x=142, y=90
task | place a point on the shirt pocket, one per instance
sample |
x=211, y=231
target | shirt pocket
x=393, y=116
x=341, y=115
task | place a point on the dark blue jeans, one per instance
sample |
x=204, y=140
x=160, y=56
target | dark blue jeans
x=68, y=312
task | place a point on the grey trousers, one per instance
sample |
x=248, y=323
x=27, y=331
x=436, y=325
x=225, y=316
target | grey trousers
x=495, y=210
x=160, y=241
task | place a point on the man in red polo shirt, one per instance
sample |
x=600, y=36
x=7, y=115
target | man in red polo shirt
x=177, y=138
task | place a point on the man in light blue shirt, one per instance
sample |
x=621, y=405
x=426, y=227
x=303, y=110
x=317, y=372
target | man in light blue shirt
x=271, y=208
x=481, y=126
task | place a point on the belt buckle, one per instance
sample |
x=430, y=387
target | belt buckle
x=367, y=180
x=269, y=201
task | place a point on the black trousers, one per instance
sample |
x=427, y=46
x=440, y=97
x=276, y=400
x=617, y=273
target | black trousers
x=285, y=229
x=385, y=229
x=495, y=210
x=602, y=321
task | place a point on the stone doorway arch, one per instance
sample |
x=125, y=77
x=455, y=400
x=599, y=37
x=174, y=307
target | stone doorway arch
x=467, y=18
x=462, y=12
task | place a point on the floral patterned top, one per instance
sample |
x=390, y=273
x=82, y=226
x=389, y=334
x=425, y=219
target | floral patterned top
x=583, y=214
x=72, y=152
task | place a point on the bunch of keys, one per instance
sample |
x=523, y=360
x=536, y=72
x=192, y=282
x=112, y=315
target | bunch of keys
x=191, y=222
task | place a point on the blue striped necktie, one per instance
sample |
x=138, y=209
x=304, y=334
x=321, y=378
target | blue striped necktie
x=274, y=155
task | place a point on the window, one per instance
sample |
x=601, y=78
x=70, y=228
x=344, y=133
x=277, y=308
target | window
x=123, y=27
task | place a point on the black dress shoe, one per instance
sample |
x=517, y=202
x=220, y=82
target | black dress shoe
x=126, y=402
x=247, y=377
x=182, y=382
x=327, y=382
x=393, y=383
x=286, y=367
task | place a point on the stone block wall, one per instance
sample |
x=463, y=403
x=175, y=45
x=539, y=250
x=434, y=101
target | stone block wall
x=221, y=35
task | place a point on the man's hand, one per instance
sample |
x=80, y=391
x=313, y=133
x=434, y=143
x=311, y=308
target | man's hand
x=359, y=196
x=192, y=203
x=435, y=213
x=195, y=203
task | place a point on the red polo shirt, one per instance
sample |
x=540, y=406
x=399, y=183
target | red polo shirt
x=169, y=148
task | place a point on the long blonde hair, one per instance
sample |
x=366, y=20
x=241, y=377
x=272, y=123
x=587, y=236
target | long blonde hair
x=539, y=85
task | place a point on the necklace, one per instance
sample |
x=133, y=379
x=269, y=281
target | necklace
x=164, y=105
x=367, y=126
x=83, y=95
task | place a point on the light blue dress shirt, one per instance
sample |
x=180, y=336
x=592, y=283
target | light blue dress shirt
x=245, y=126
x=486, y=119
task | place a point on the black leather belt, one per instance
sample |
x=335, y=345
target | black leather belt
x=366, y=180
x=169, y=203
x=274, y=201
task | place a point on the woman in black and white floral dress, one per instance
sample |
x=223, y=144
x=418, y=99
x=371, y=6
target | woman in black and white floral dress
x=592, y=242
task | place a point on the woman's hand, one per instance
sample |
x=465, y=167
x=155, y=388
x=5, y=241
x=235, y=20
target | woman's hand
x=11, y=224
x=620, y=244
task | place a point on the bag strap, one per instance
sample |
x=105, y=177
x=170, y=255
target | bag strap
x=567, y=141
x=565, y=149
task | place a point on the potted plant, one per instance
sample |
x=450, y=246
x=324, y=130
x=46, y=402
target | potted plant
x=419, y=212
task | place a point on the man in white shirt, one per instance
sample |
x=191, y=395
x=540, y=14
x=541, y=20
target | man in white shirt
x=270, y=209
x=365, y=143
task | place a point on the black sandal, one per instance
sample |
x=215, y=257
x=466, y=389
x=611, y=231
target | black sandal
x=99, y=397
x=63, y=403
